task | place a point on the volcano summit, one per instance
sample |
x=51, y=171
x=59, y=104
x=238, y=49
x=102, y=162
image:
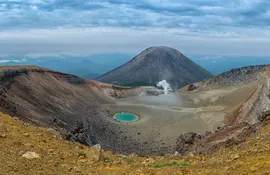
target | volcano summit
x=155, y=64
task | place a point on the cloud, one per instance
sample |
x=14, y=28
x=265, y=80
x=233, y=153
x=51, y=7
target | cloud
x=14, y=61
x=32, y=21
x=130, y=40
x=190, y=14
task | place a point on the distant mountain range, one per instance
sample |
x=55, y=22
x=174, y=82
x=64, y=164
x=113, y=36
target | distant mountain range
x=220, y=64
x=89, y=66
x=93, y=66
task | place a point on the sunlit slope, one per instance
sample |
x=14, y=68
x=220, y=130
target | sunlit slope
x=58, y=156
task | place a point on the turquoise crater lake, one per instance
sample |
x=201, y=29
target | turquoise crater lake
x=125, y=117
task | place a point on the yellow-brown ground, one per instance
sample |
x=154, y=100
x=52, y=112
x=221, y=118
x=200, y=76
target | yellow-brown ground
x=59, y=156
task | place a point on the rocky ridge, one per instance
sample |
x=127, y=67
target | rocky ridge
x=71, y=105
x=238, y=76
x=243, y=121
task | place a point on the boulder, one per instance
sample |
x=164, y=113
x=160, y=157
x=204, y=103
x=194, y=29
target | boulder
x=30, y=155
x=184, y=140
x=191, y=87
x=94, y=153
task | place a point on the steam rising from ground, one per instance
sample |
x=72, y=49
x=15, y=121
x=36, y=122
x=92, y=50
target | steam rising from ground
x=163, y=84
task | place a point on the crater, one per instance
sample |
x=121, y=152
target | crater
x=125, y=117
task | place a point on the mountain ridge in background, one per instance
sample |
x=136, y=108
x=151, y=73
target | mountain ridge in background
x=92, y=66
x=85, y=66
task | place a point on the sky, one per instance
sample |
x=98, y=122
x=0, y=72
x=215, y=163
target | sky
x=194, y=27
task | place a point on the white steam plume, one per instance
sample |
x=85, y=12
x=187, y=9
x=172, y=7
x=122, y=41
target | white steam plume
x=163, y=84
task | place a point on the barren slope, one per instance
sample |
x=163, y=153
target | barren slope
x=155, y=64
x=65, y=102
x=241, y=119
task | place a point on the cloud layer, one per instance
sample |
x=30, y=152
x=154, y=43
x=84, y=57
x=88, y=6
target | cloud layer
x=198, y=19
x=195, y=15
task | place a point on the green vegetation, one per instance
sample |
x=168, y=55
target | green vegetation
x=82, y=153
x=107, y=159
x=128, y=160
x=173, y=163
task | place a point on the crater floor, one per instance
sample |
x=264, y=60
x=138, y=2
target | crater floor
x=163, y=118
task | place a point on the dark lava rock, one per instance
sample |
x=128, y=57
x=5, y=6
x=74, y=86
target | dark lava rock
x=264, y=115
x=191, y=87
x=185, y=140
x=207, y=143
